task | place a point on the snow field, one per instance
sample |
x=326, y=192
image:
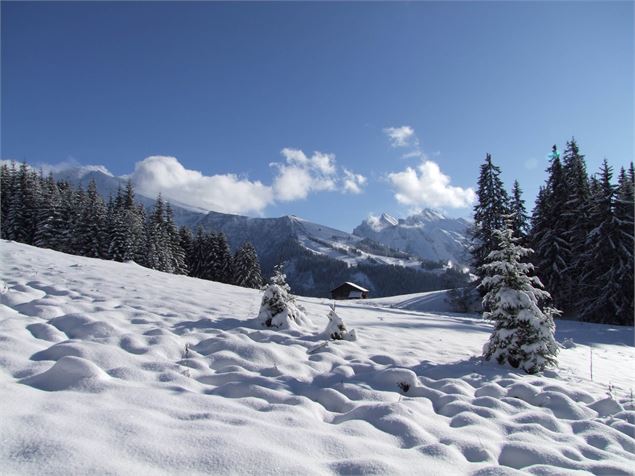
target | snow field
x=113, y=368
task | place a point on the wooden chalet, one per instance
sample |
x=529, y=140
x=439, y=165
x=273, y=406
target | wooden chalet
x=349, y=290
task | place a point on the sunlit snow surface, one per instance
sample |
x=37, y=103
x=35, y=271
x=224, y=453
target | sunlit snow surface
x=113, y=368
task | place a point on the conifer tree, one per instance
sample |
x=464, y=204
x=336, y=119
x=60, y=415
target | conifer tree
x=279, y=277
x=50, y=225
x=278, y=308
x=198, y=257
x=625, y=215
x=492, y=205
x=75, y=234
x=209, y=266
x=186, y=240
x=523, y=328
x=90, y=231
x=23, y=204
x=7, y=189
x=120, y=246
x=574, y=217
x=224, y=266
x=247, y=268
x=519, y=216
x=177, y=254
x=607, y=276
x=549, y=234
x=68, y=216
x=158, y=250
x=127, y=228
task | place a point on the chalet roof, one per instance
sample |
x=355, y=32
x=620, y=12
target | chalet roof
x=352, y=285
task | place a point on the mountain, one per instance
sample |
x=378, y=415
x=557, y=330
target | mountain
x=430, y=235
x=317, y=258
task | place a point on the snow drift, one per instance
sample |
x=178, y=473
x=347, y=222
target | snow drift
x=113, y=368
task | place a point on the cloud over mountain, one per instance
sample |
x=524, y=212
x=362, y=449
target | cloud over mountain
x=221, y=192
x=427, y=186
x=296, y=177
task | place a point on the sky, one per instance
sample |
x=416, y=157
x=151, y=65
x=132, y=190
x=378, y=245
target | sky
x=329, y=111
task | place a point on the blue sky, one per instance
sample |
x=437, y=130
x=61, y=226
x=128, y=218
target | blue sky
x=330, y=111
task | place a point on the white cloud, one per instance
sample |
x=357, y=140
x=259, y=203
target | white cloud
x=427, y=186
x=299, y=175
x=295, y=178
x=353, y=183
x=223, y=193
x=403, y=136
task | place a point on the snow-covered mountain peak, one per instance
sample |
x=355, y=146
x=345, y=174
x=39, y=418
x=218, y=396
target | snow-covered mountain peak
x=82, y=171
x=425, y=216
x=378, y=223
x=428, y=234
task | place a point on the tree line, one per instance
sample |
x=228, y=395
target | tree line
x=581, y=231
x=41, y=211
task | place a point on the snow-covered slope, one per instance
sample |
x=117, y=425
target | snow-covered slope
x=113, y=368
x=428, y=234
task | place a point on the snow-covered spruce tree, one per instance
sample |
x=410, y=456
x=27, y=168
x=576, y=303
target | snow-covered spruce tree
x=50, y=225
x=126, y=227
x=625, y=215
x=224, y=265
x=523, y=328
x=247, y=268
x=198, y=254
x=519, y=216
x=177, y=253
x=336, y=329
x=607, y=276
x=90, y=230
x=186, y=240
x=7, y=186
x=278, y=308
x=21, y=220
x=158, y=249
x=575, y=219
x=76, y=205
x=68, y=216
x=491, y=206
x=549, y=236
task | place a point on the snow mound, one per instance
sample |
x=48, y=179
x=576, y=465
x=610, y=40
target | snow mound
x=68, y=373
x=606, y=407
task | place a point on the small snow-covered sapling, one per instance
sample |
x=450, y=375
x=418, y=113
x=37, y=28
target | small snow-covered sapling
x=336, y=330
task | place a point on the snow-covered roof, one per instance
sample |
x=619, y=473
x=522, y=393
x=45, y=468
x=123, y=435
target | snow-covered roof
x=353, y=285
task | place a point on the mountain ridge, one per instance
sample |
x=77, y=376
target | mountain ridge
x=317, y=257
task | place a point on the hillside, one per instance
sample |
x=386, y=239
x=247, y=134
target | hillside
x=113, y=368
